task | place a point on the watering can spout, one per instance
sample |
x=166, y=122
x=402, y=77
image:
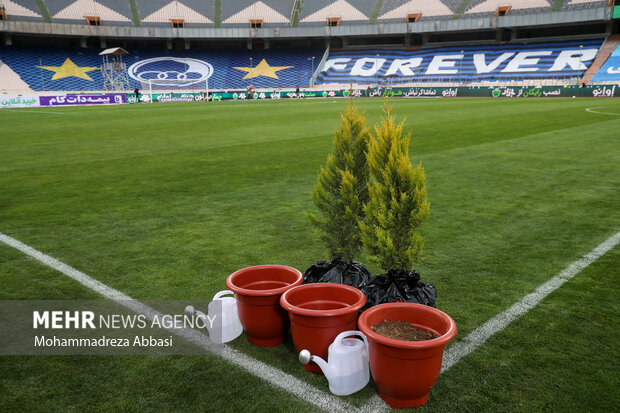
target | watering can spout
x=347, y=370
x=305, y=357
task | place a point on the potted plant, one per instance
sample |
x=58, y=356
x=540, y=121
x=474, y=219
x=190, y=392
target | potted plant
x=396, y=207
x=257, y=291
x=318, y=313
x=404, y=371
x=339, y=195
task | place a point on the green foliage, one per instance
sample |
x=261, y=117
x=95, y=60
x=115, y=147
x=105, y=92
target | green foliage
x=217, y=19
x=44, y=11
x=135, y=14
x=398, y=203
x=341, y=188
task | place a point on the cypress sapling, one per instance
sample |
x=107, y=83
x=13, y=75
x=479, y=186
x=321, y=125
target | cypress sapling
x=398, y=203
x=341, y=188
x=339, y=195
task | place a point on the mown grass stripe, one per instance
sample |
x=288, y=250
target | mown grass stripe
x=272, y=375
x=481, y=334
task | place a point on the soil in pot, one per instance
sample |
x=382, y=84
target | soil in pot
x=402, y=330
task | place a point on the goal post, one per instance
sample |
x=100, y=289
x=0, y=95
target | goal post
x=163, y=86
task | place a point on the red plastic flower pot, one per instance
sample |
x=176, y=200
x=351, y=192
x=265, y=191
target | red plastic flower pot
x=319, y=312
x=258, y=290
x=405, y=371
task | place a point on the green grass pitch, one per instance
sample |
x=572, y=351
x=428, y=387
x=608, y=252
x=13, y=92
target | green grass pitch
x=164, y=201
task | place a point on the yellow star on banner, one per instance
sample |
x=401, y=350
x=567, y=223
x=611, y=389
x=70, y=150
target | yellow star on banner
x=262, y=69
x=69, y=69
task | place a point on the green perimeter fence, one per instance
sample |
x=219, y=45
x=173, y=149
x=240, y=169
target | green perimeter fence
x=411, y=92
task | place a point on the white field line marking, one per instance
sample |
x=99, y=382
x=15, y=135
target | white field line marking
x=295, y=386
x=481, y=334
x=272, y=375
x=591, y=110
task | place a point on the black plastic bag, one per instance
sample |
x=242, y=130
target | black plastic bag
x=398, y=286
x=350, y=273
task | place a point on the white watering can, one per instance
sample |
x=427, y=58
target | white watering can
x=222, y=321
x=347, y=370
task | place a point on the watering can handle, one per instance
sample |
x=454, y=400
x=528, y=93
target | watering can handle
x=222, y=293
x=344, y=334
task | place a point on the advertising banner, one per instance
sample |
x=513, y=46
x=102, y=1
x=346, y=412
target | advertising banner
x=65, y=100
x=402, y=92
x=434, y=92
x=19, y=101
x=169, y=97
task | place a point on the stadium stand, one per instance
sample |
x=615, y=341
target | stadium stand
x=606, y=67
x=21, y=10
x=321, y=11
x=405, y=10
x=273, y=13
x=78, y=69
x=75, y=69
x=179, y=13
x=505, y=7
x=452, y=42
x=583, y=4
x=10, y=82
x=277, y=12
x=114, y=12
x=549, y=63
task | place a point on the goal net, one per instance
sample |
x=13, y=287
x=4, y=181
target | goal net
x=153, y=88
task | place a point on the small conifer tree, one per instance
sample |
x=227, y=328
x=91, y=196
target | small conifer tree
x=342, y=189
x=398, y=203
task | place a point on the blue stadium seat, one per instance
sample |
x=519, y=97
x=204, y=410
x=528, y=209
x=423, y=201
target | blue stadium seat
x=54, y=68
x=461, y=65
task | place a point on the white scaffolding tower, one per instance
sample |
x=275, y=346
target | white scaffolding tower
x=114, y=70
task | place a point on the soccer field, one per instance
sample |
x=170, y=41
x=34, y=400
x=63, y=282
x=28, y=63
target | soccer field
x=164, y=201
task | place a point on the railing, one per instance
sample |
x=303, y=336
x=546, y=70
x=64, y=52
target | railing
x=319, y=67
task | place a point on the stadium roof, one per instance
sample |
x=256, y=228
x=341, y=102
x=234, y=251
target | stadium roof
x=115, y=51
